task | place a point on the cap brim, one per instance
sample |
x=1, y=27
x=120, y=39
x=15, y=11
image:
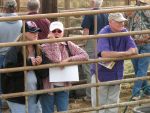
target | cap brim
x=122, y=20
x=35, y=30
x=56, y=28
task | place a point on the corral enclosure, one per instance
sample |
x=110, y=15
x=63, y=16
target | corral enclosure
x=76, y=3
x=76, y=21
x=64, y=5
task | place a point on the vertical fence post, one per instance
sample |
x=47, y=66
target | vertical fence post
x=49, y=6
x=67, y=19
x=25, y=72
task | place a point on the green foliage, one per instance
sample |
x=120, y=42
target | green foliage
x=128, y=67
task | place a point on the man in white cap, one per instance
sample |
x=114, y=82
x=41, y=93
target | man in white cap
x=9, y=30
x=114, y=47
x=140, y=20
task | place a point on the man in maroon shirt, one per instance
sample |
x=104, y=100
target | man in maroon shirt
x=33, y=7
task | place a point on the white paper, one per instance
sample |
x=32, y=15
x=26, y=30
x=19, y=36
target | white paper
x=66, y=74
x=108, y=65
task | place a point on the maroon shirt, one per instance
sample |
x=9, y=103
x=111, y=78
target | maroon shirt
x=43, y=24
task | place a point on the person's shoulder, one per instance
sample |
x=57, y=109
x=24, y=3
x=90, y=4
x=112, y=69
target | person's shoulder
x=103, y=15
x=88, y=16
x=44, y=45
x=43, y=21
x=1, y=23
x=105, y=29
x=146, y=13
x=14, y=49
x=70, y=42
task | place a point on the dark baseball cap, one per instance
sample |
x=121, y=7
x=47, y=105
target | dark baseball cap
x=30, y=26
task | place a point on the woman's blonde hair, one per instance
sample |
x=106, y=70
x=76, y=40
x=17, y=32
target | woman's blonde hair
x=38, y=50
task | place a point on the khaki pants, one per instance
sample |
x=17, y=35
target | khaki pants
x=107, y=95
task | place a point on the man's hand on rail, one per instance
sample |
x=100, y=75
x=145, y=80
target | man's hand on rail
x=131, y=51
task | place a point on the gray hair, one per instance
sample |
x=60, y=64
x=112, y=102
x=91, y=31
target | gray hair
x=10, y=3
x=98, y=3
x=33, y=5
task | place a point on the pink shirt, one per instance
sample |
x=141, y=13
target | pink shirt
x=57, y=52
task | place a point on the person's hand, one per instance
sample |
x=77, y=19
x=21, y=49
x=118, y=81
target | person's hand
x=38, y=60
x=129, y=13
x=33, y=60
x=64, y=61
x=143, y=40
x=131, y=51
x=51, y=36
x=146, y=39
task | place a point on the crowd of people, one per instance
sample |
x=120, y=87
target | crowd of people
x=62, y=52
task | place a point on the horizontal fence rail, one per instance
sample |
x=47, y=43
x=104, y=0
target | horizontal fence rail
x=132, y=74
x=122, y=104
x=73, y=28
x=85, y=37
x=115, y=82
x=77, y=13
x=7, y=70
x=85, y=9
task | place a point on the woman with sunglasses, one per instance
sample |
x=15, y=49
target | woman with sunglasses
x=14, y=82
x=59, y=52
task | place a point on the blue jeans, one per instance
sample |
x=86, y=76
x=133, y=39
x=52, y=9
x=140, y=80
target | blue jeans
x=20, y=108
x=60, y=99
x=141, y=67
x=16, y=108
x=1, y=63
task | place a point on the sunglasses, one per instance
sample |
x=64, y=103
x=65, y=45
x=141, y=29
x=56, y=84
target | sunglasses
x=58, y=31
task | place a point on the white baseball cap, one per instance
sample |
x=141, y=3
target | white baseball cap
x=56, y=25
x=117, y=17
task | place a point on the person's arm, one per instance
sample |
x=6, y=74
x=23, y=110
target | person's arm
x=78, y=54
x=11, y=57
x=85, y=31
x=52, y=52
x=115, y=54
x=104, y=50
x=86, y=24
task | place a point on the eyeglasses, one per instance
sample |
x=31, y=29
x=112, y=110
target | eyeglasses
x=58, y=31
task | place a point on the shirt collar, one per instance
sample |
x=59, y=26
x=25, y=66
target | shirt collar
x=63, y=43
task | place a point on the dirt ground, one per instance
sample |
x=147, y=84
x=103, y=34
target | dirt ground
x=79, y=103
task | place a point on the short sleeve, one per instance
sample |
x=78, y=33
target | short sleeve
x=87, y=22
x=130, y=43
x=102, y=45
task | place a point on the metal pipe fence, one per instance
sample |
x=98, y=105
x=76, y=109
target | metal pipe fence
x=115, y=82
x=65, y=14
x=75, y=38
x=70, y=63
x=78, y=13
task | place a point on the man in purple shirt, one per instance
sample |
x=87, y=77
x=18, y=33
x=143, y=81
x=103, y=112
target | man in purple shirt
x=114, y=47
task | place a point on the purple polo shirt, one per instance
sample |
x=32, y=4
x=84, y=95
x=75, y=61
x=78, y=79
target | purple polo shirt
x=122, y=43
